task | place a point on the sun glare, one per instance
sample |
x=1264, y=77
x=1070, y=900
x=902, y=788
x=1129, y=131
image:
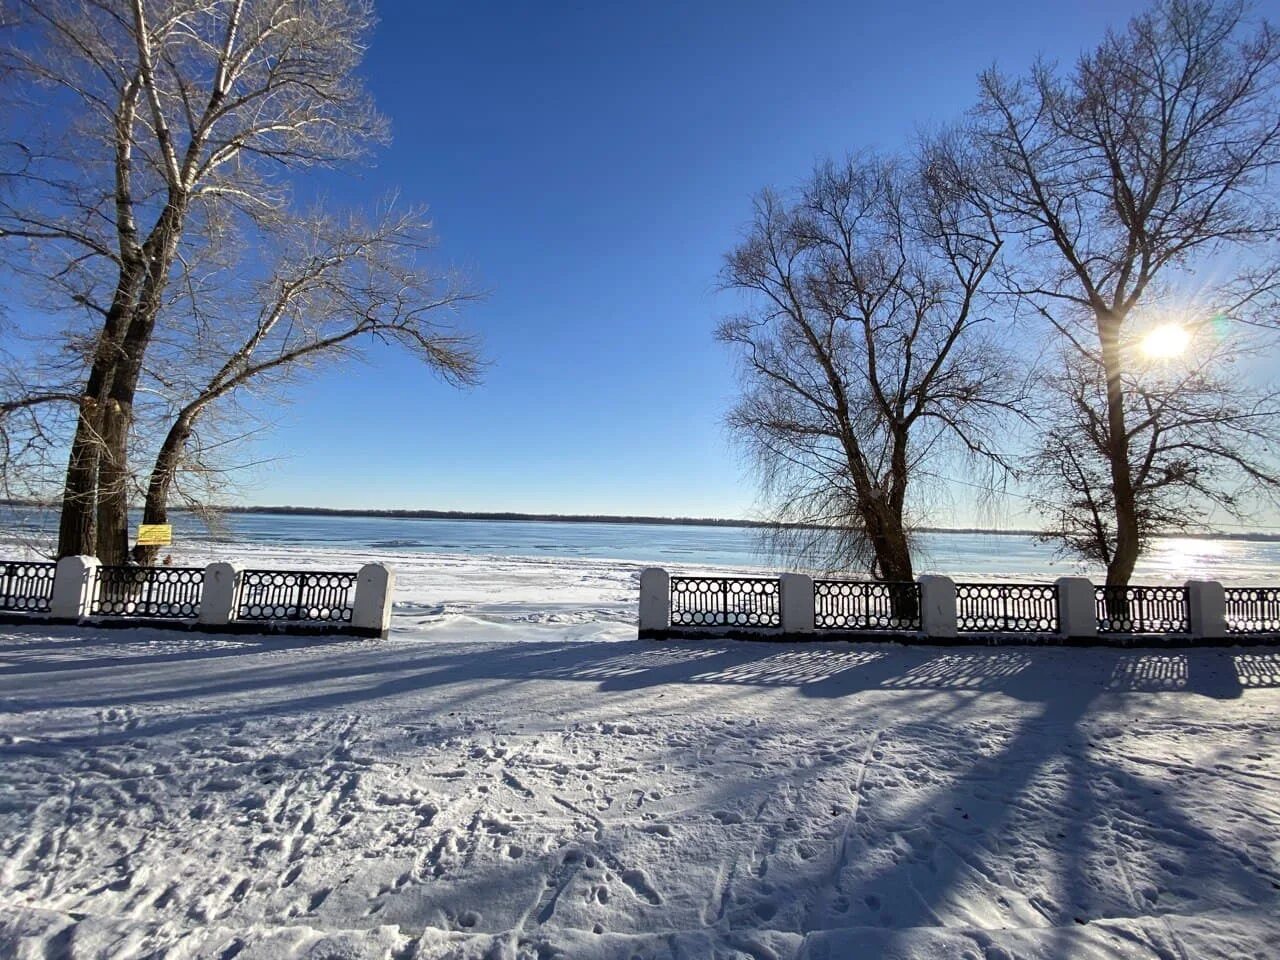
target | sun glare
x=1167, y=341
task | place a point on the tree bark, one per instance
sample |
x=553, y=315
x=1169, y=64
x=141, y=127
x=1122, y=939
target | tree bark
x=117, y=412
x=113, y=483
x=1125, y=556
x=892, y=553
x=883, y=521
x=888, y=537
x=77, y=526
x=163, y=472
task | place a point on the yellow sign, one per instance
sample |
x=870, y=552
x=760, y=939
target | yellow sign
x=155, y=534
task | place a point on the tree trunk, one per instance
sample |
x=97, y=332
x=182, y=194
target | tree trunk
x=893, y=561
x=894, y=558
x=897, y=550
x=77, y=525
x=113, y=481
x=165, y=469
x=882, y=521
x=113, y=469
x=1125, y=555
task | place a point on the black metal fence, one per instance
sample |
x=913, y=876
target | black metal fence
x=1253, y=609
x=1006, y=608
x=866, y=605
x=324, y=597
x=1143, y=610
x=26, y=586
x=725, y=602
x=164, y=593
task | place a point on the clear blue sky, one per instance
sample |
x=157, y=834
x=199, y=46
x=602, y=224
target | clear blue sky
x=589, y=164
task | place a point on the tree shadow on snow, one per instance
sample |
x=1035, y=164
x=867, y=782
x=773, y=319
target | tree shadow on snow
x=1051, y=785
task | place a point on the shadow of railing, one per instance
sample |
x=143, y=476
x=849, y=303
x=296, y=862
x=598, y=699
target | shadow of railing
x=347, y=675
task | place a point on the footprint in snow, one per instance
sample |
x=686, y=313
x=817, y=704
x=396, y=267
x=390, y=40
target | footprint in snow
x=639, y=884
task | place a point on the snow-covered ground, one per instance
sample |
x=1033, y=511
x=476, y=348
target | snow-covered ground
x=494, y=781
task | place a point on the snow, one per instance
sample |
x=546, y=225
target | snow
x=512, y=774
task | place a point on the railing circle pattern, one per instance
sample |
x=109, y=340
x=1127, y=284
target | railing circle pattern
x=26, y=586
x=1006, y=608
x=1253, y=610
x=166, y=593
x=725, y=602
x=324, y=597
x=1143, y=610
x=866, y=605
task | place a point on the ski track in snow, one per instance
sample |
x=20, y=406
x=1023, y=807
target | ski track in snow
x=495, y=781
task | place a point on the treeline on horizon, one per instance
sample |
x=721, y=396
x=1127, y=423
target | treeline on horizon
x=506, y=515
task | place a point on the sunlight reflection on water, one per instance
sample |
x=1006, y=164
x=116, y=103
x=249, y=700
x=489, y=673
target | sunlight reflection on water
x=973, y=556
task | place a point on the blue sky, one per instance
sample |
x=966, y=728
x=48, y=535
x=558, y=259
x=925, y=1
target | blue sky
x=589, y=165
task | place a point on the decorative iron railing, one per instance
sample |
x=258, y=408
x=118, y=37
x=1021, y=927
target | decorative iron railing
x=1143, y=610
x=294, y=595
x=725, y=602
x=866, y=605
x=26, y=587
x=1253, y=609
x=165, y=593
x=1006, y=608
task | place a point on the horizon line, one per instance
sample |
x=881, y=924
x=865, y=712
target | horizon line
x=405, y=513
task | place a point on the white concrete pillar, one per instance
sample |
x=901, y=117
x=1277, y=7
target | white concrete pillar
x=75, y=582
x=796, y=602
x=655, y=600
x=938, y=607
x=375, y=589
x=1077, y=608
x=218, y=595
x=1207, y=600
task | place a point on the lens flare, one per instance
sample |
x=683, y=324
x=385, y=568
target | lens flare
x=1167, y=341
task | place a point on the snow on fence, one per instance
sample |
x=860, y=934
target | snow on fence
x=935, y=609
x=219, y=597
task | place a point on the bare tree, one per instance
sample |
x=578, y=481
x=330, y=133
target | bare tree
x=1199, y=436
x=862, y=355
x=168, y=118
x=1141, y=183
x=338, y=283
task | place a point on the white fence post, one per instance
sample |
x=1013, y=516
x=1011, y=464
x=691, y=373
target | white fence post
x=75, y=582
x=938, y=607
x=218, y=595
x=375, y=586
x=796, y=602
x=1077, y=608
x=655, y=600
x=1207, y=600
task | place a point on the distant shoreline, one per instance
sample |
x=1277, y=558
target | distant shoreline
x=511, y=516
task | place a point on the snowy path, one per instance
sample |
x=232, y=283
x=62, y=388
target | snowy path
x=430, y=796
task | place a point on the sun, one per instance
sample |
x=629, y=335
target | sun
x=1166, y=341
